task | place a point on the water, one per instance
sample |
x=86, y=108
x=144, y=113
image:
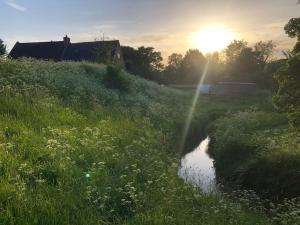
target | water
x=198, y=169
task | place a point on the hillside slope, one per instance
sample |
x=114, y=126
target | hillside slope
x=73, y=151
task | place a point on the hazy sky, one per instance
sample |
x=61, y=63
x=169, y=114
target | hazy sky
x=168, y=25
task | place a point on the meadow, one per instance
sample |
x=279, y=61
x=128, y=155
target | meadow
x=74, y=151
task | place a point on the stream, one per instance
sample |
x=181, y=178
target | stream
x=198, y=169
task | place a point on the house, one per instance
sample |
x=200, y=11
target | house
x=97, y=51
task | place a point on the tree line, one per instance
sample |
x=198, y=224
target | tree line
x=238, y=62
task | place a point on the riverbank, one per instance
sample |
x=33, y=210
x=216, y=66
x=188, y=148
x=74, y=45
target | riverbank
x=255, y=148
x=75, y=150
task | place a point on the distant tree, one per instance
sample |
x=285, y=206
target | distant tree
x=263, y=51
x=144, y=61
x=192, y=66
x=2, y=48
x=234, y=49
x=292, y=29
x=150, y=59
x=171, y=72
x=215, y=69
x=185, y=69
x=247, y=63
x=174, y=61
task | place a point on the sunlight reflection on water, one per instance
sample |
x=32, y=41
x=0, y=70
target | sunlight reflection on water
x=198, y=169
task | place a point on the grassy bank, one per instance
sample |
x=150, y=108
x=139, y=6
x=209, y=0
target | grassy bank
x=73, y=151
x=257, y=149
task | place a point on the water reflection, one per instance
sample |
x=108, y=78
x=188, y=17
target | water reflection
x=198, y=169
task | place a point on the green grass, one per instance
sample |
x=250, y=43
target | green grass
x=73, y=151
x=257, y=149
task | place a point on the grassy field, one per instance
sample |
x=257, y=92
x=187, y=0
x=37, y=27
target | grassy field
x=73, y=151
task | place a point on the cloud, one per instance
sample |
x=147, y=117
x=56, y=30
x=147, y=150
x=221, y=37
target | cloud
x=15, y=6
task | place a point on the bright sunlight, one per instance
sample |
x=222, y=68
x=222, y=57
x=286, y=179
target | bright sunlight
x=212, y=39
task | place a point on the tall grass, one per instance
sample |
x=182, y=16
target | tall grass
x=75, y=152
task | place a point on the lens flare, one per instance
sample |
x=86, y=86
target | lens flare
x=192, y=109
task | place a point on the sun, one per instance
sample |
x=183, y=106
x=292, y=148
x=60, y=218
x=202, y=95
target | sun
x=212, y=39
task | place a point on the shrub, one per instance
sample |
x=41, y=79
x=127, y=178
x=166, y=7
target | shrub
x=115, y=80
x=287, y=97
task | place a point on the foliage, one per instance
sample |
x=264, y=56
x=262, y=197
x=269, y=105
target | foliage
x=171, y=70
x=264, y=51
x=114, y=79
x=248, y=64
x=187, y=69
x=234, y=50
x=76, y=152
x=2, y=48
x=292, y=29
x=144, y=61
x=287, y=97
x=257, y=150
x=242, y=63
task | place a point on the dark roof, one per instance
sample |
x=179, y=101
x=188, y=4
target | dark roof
x=40, y=50
x=87, y=50
x=60, y=50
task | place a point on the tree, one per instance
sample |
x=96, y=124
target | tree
x=215, y=70
x=144, y=62
x=287, y=98
x=174, y=61
x=192, y=66
x=247, y=64
x=292, y=29
x=150, y=59
x=234, y=49
x=2, y=48
x=263, y=51
x=171, y=72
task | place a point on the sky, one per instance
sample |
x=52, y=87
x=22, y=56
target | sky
x=167, y=25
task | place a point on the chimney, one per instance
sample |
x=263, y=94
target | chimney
x=67, y=40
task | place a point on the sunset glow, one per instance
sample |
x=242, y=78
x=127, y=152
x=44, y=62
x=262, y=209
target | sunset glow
x=212, y=39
